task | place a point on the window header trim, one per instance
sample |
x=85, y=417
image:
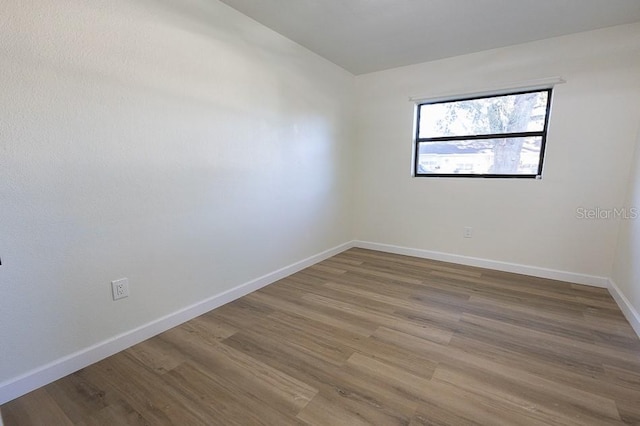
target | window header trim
x=524, y=86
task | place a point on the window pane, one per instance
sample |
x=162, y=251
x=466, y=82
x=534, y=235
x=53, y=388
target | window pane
x=514, y=156
x=500, y=114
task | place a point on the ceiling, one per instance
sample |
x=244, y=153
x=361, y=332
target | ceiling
x=363, y=36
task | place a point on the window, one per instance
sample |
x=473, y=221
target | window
x=490, y=136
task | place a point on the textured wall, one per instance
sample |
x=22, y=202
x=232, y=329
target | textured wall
x=594, y=123
x=626, y=271
x=176, y=143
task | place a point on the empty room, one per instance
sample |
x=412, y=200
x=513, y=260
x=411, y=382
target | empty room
x=306, y=212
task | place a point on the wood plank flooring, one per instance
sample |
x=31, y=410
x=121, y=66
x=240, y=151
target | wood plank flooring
x=370, y=338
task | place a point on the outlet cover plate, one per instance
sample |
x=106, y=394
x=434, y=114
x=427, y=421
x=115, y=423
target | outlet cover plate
x=120, y=288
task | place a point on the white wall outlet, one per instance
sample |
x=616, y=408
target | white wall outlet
x=467, y=232
x=120, y=288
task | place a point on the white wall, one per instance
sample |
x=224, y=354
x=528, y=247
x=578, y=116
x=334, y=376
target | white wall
x=626, y=271
x=593, y=127
x=176, y=143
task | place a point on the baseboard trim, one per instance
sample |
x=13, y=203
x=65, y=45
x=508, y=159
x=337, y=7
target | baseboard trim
x=625, y=305
x=16, y=387
x=533, y=271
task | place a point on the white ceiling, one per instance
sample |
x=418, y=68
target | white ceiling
x=364, y=36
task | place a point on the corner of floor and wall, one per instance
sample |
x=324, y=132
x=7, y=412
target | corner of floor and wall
x=579, y=223
x=180, y=145
x=203, y=156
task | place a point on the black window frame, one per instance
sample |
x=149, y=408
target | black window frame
x=542, y=134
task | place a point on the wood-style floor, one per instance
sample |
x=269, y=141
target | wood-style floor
x=370, y=338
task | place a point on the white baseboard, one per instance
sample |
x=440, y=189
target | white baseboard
x=533, y=271
x=16, y=387
x=625, y=306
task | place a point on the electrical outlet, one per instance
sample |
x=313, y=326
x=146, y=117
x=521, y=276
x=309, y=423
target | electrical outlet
x=467, y=232
x=120, y=288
